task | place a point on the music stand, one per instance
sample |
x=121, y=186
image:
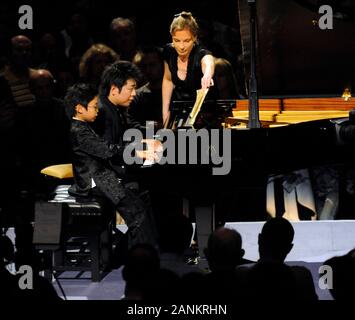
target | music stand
x=212, y=113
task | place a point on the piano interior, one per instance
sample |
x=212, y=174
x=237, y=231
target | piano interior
x=282, y=112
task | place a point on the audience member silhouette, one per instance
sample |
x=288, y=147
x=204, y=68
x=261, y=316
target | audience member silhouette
x=123, y=38
x=275, y=240
x=48, y=125
x=8, y=29
x=9, y=288
x=76, y=37
x=19, y=101
x=224, y=250
x=48, y=51
x=224, y=253
x=194, y=288
x=65, y=78
x=343, y=279
x=18, y=72
x=142, y=264
x=225, y=80
x=94, y=61
x=270, y=278
x=49, y=54
x=146, y=105
x=162, y=287
x=8, y=164
x=151, y=63
x=40, y=288
x=206, y=36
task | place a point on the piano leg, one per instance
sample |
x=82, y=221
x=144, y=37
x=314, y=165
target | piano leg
x=205, y=224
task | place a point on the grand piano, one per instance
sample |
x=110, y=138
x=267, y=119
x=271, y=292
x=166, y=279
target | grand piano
x=304, y=76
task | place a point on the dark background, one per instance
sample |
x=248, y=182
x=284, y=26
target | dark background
x=295, y=56
x=151, y=17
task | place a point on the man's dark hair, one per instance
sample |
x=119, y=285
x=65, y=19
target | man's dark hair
x=117, y=74
x=80, y=93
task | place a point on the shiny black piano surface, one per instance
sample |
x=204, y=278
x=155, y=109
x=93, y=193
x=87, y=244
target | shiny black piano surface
x=254, y=152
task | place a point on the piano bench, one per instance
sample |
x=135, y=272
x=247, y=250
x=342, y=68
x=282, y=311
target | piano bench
x=84, y=237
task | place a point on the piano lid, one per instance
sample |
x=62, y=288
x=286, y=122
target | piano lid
x=295, y=57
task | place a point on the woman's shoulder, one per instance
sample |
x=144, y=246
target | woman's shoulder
x=201, y=51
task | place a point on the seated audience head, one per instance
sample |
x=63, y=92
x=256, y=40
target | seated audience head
x=78, y=25
x=141, y=265
x=50, y=52
x=81, y=102
x=123, y=37
x=48, y=43
x=94, y=61
x=275, y=240
x=224, y=250
x=225, y=79
x=42, y=85
x=151, y=62
x=21, y=51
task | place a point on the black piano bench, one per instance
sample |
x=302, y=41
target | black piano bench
x=76, y=233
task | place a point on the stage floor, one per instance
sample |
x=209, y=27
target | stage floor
x=315, y=241
x=112, y=285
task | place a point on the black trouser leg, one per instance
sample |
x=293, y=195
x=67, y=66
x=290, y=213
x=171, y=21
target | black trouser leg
x=138, y=217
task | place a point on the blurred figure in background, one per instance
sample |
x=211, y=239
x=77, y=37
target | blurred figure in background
x=48, y=125
x=146, y=105
x=94, y=61
x=225, y=80
x=77, y=38
x=18, y=71
x=123, y=38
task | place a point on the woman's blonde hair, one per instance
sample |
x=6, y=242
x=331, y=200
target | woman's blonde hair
x=182, y=21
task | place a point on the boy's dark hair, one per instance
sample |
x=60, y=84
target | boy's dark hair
x=117, y=74
x=80, y=93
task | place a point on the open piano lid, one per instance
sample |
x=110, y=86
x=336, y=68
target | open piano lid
x=295, y=57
